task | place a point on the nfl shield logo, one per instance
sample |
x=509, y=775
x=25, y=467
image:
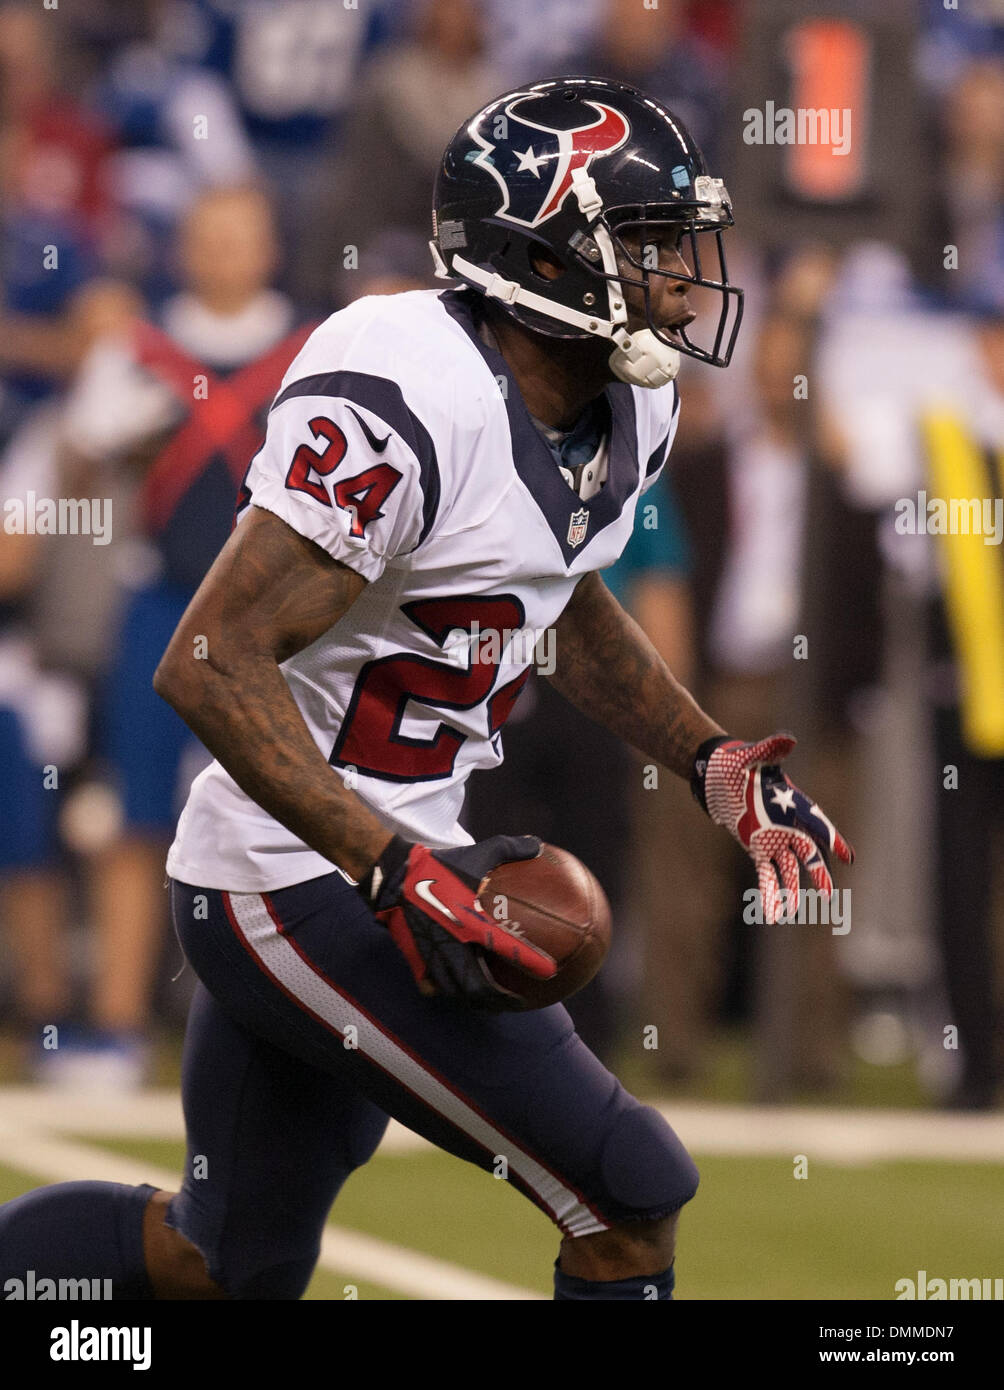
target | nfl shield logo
x=577, y=525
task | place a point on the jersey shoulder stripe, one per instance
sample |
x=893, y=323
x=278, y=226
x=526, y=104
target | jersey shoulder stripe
x=384, y=399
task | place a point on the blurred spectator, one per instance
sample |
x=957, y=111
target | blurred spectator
x=40, y=728
x=744, y=498
x=43, y=689
x=182, y=405
x=179, y=131
x=964, y=438
x=53, y=208
x=954, y=36
x=380, y=175
x=972, y=184
x=53, y=150
x=291, y=64
x=293, y=67
x=651, y=49
x=77, y=591
x=912, y=438
x=659, y=865
x=532, y=39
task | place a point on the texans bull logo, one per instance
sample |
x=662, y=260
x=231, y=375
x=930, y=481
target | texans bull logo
x=535, y=164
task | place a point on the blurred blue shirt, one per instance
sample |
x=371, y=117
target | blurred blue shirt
x=660, y=551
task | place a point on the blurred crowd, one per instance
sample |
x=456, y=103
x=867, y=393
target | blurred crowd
x=188, y=186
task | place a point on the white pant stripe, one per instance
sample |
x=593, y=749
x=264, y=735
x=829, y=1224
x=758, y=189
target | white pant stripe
x=284, y=963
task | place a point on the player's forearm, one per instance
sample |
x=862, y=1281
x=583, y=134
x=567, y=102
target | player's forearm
x=240, y=707
x=607, y=667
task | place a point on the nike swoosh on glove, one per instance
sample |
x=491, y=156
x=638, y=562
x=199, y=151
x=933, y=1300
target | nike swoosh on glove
x=742, y=788
x=428, y=900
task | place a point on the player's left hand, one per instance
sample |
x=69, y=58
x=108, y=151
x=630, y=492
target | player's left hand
x=742, y=788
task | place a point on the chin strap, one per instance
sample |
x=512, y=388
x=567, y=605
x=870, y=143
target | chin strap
x=639, y=359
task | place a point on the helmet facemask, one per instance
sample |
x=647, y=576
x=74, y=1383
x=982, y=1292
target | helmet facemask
x=631, y=234
x=637, y=267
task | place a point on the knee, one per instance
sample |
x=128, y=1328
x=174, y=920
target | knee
x=647, y=1174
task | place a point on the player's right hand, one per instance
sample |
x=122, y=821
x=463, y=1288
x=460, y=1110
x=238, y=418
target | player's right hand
x=428, y=900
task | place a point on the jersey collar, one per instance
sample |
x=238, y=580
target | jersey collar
x=573, y=521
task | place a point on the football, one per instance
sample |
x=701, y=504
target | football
x=555, y=902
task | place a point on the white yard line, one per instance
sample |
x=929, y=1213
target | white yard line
x=351, y=1255
x=837, y=1136
x=145, y=1114
x=152, y=1114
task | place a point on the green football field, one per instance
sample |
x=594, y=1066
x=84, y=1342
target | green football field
x=754, y=1230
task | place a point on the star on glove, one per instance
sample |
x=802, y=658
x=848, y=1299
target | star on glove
x=743, y=789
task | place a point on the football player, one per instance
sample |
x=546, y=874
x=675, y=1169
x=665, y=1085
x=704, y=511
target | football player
x=437, y=465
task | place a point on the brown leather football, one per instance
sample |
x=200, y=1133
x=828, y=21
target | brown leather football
x=555, y=902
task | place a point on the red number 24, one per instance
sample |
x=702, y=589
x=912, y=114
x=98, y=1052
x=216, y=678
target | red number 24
x=361, y=496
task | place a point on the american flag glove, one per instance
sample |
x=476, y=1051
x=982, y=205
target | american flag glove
x=742, y=788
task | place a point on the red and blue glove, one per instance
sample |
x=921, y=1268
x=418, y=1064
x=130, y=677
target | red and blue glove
x=428, y=900
x=742, y=788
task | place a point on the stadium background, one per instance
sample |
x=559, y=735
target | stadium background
x=172, y=167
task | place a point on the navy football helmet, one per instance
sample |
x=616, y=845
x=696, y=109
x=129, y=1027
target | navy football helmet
x=598, y=174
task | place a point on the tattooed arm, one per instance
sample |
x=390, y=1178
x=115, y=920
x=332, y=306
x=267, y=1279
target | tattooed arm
x=270, y=593
x=608, y=668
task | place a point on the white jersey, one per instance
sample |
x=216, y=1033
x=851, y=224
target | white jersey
x=400, y=444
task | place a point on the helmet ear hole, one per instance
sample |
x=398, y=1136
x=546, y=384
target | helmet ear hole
x=544, y=263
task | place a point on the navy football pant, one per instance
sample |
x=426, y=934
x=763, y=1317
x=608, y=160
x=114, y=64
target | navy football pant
x=308, y=1032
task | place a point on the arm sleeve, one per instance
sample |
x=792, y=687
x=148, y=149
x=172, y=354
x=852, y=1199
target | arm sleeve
x=339, y=473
